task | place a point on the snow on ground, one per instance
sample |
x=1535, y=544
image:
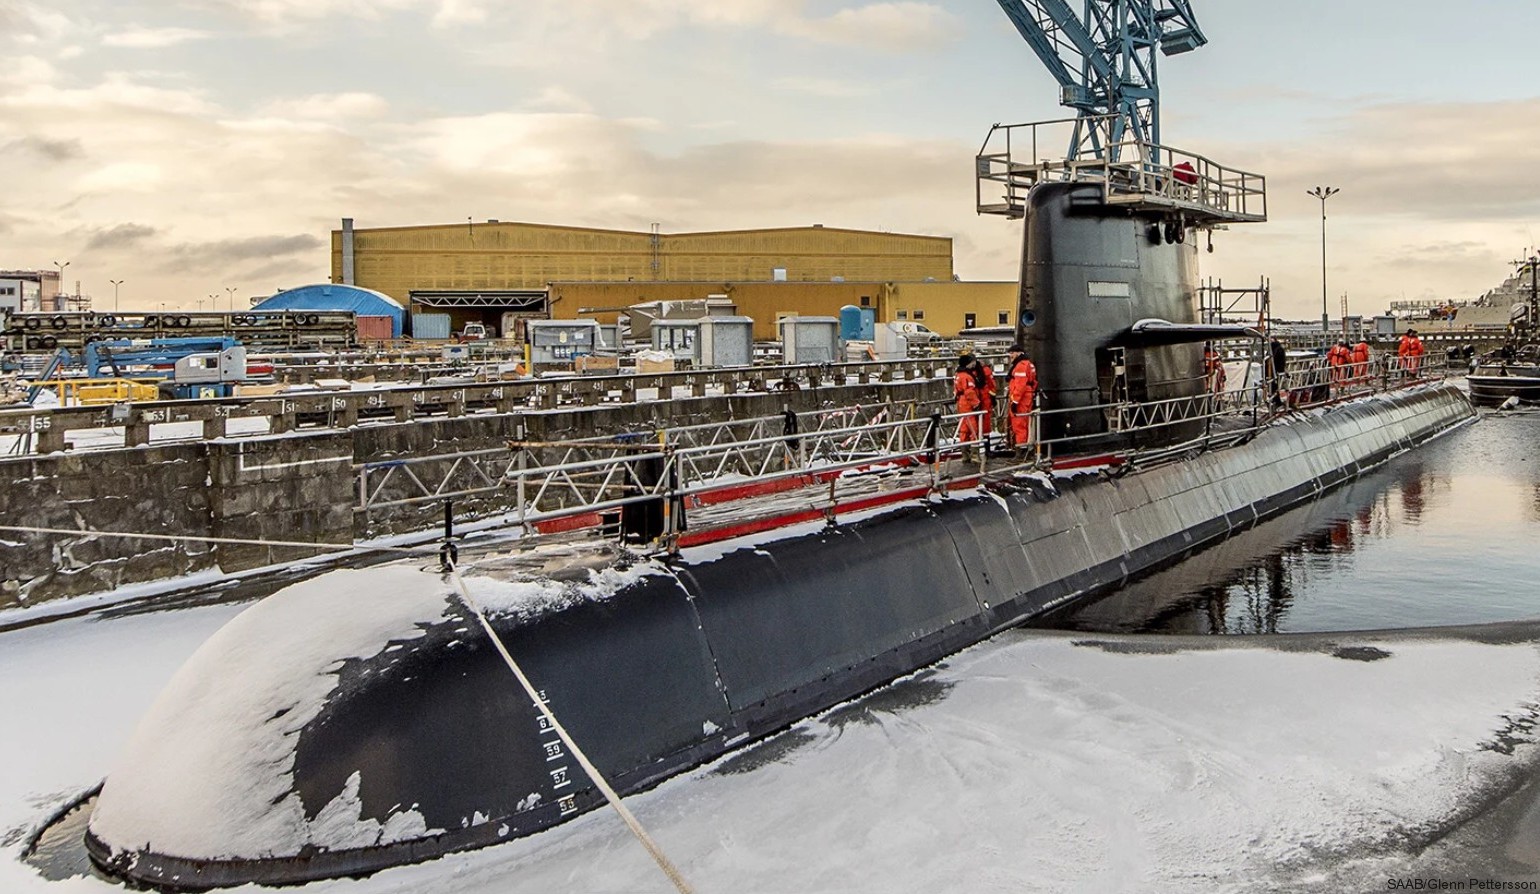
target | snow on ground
x=1031, y=762
x=70, y=693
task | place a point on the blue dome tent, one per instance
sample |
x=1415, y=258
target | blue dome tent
x=338, y=297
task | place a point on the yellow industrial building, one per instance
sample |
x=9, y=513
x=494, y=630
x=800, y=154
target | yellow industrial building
x=486, y=272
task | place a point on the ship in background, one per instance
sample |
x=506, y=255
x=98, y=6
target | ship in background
x=364, y=718
x=1512, y=371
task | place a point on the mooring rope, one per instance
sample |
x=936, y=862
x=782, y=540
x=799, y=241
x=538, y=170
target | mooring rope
x=664, y=863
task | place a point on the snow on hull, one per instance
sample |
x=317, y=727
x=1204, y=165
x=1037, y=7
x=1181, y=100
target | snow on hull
x=209, y=771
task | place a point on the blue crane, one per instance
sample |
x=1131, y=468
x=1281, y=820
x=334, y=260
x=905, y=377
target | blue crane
x=1104, y=62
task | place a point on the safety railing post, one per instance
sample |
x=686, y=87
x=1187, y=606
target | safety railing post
x=521, y=465
x=1036, y=432
x=448, y=553
x=933, y=448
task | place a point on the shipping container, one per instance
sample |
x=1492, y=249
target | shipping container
x=375, y=328
x=430, y=327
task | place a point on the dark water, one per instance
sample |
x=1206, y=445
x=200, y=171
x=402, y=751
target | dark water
x=1446, y=534
x=59, y=851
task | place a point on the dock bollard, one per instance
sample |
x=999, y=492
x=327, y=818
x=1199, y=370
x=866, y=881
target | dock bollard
x=448, y=553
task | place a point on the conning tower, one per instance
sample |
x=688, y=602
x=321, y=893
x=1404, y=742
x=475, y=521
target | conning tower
x=1107, y=305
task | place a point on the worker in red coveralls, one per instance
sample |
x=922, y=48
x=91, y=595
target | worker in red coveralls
x=1361, y=362
x=1213, y=369
x=974, y=387
x=1338, y=357
x=1021, y=388
x=1186, y=177
x=1410, y=352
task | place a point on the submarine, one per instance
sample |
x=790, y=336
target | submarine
x=366, y=718
x=362, y=719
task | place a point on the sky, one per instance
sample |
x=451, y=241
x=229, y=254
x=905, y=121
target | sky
x=191, y=148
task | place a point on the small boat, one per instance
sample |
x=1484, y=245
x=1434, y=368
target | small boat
x=1505, y=374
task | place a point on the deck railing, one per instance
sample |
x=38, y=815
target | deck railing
x=721, y=479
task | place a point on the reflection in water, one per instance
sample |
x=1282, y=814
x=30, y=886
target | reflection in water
x=1440, y=536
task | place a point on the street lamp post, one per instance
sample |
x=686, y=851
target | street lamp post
x=115, y=284
x=61, y=266
x=231, y=290
x=1323, y=193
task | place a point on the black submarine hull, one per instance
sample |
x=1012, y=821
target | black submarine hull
x=696, y=655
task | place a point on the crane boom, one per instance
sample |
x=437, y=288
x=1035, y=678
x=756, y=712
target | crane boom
x=1104, y=61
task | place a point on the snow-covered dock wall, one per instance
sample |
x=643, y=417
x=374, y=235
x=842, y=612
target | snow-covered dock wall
x=291, y=748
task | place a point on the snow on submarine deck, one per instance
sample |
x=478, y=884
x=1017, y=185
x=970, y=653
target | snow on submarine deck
x=360, y=719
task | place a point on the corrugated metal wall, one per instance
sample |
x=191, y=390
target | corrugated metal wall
x=397, y=260
x=945, y=304
x=430, y=326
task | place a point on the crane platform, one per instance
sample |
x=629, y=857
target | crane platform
x=1143, y=177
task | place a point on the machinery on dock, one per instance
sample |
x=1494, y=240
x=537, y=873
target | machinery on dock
x=181, y=368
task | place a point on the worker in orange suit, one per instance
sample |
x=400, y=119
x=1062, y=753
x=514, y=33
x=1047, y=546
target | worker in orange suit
x=1213, y=369
x=1338, y=356
x=1021, y=389
x=1410, y=352
x=1361, y=362
x=972, y=386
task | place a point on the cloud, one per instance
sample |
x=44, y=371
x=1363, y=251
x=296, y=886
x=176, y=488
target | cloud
x=31, y=24
x=329, y=106
x=21, y=73
x=221, y=255
x=896, y=27
x=283, y=13
x=43, y=147
x=125, y=235
x=1417, y=160
x=138, y=38
x=451, y=13
x=115, y=90
x=827, y=87
x=559, y=99
x=122, y=177
x=287, y=15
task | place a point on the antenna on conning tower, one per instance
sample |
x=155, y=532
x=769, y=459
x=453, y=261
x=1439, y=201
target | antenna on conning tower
x=1105, y=63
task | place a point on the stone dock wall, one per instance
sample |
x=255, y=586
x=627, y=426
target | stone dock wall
x=293, y=487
